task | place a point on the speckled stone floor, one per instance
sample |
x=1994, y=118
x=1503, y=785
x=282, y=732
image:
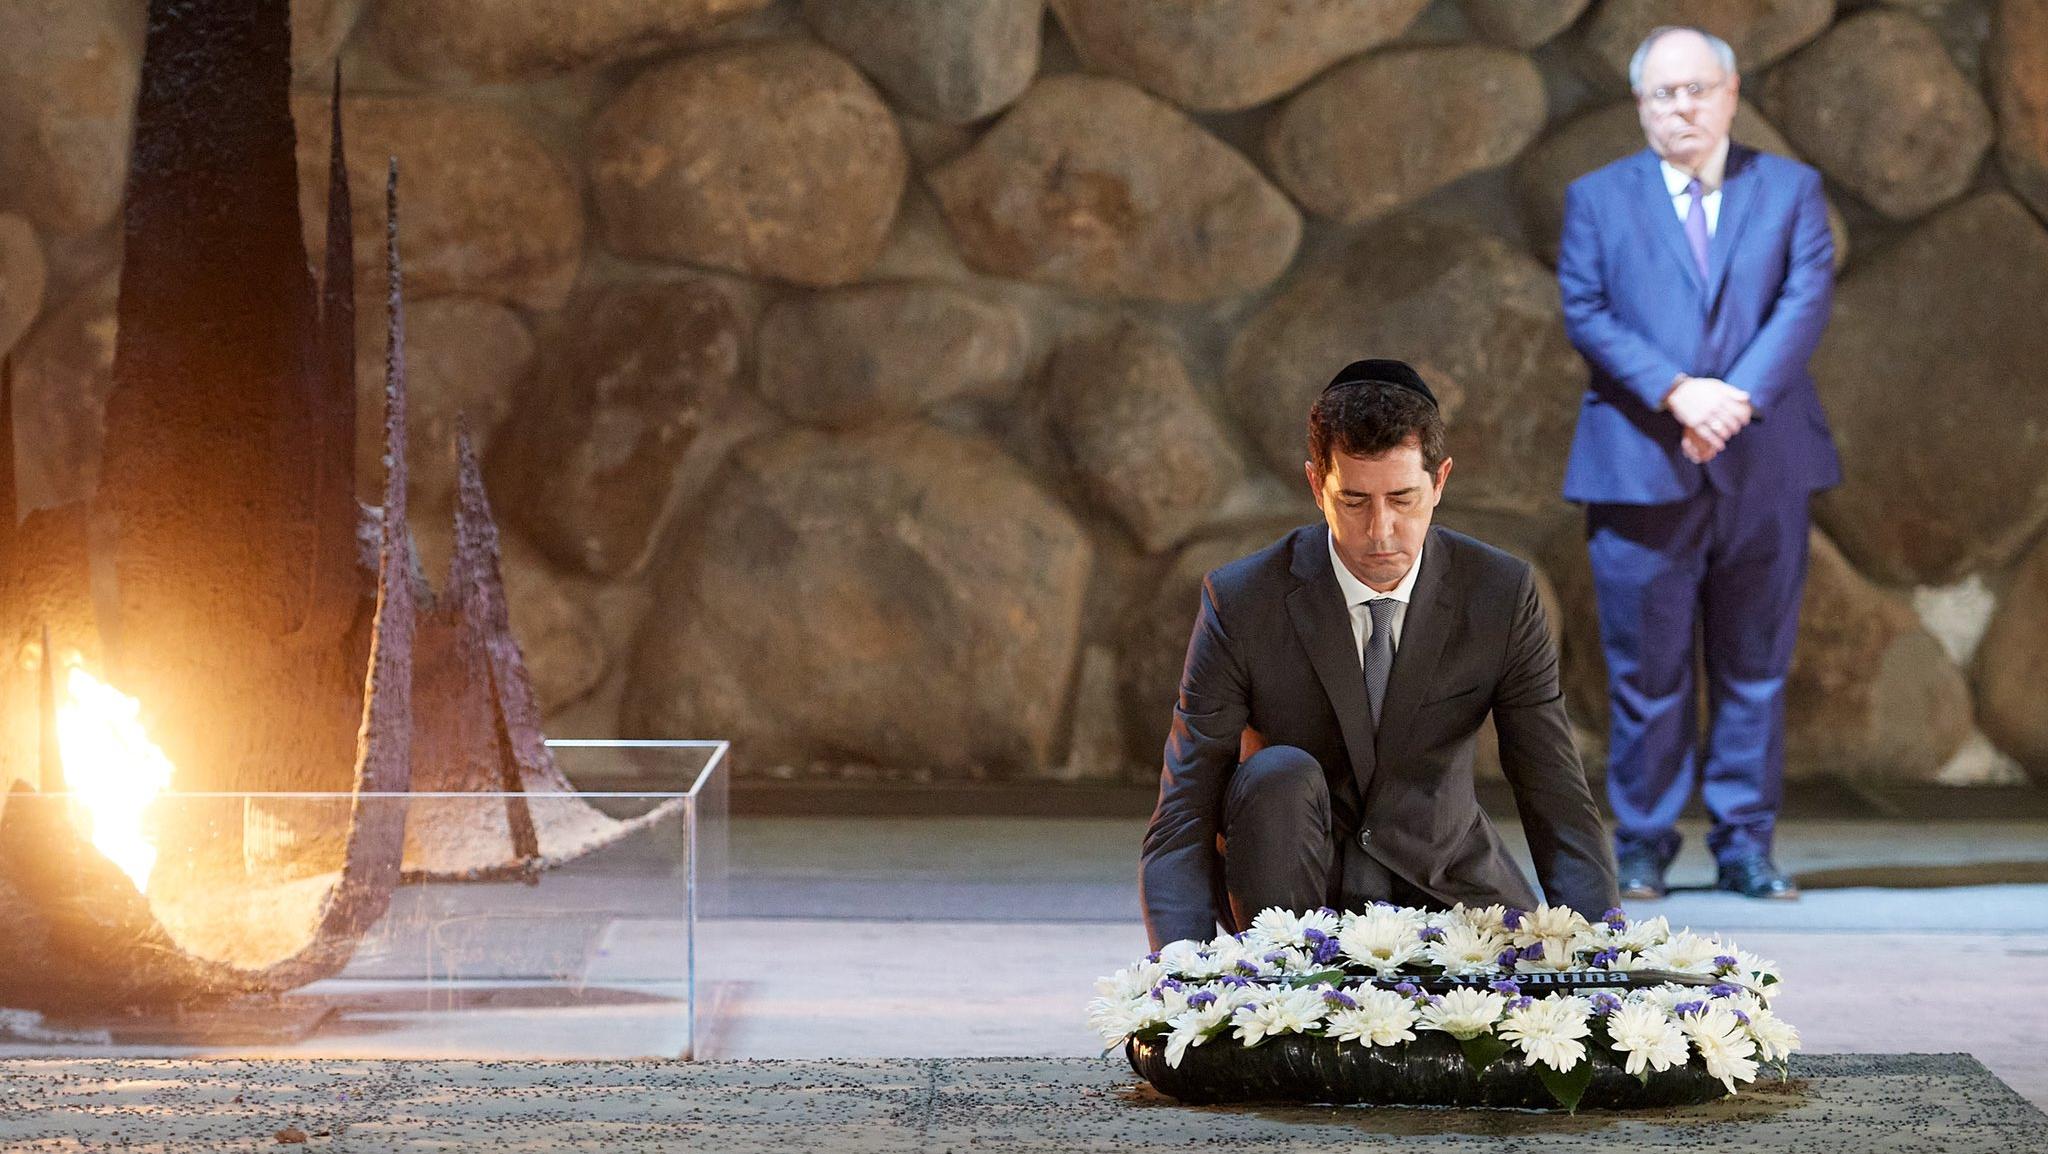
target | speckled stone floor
x=1851, y=1103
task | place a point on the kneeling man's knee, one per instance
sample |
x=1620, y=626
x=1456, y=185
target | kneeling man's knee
x=1280, y=773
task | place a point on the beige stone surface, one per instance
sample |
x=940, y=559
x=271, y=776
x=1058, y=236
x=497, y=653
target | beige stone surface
x=1760, y=31
x=1935, y=331
x=1522, y=24
x=588, y=465
x=1222, y=55
x=2017, y=67
x=1146, y=444
x=63, y=371
x=952, y=62
x=1372, y=135
x=496, y=41
x=843, y=603
x=1092, y=185
x=2011, y=673
x=871, y=353
x=466, y=358
x=1878, y=105
x=773, y=159
x=486, y=207
x=23, y=275
x=1479, y=318
x=68, y=74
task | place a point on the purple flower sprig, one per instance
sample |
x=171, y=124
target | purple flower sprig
x=1430, y=933
x=1605, y=1003
x=1201, y=998
x=1512, y=918
x=1508, y=957
x=1607, y=957
x=1684, y=1008
x=1407, y=989
x=1726, y=962
x=1616, y=918
x=1322, y=947
x=1521, y=1003
x=1507, y=986
x=1532, y=952
x=1724, y=990
x=1340, y=998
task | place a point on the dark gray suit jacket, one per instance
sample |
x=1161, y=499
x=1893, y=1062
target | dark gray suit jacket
x=1273, y=651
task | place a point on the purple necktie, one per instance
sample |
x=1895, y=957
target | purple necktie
x=1696, y=226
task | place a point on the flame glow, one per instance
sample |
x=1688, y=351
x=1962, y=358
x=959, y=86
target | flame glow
x=113, y=770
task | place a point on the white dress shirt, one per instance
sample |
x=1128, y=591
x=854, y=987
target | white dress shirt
x=1357, y=593
x=1675, y=180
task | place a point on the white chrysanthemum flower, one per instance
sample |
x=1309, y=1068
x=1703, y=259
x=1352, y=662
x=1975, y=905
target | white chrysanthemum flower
x=1383, y=939
x=1286, y=928
x=1195, y=1026
x=1684, y=952
x=1640, y=936
x=1667, y=996
x=1463, y=1013
x=1279, y=1012
x=1118, y=1018
x=1181, y=957
x=1488, y=918
x=1648, y=1035
x=1774, y=1037
x=1131, y=981
x=1548, y=1030
x=1757, y=973
x=1722, y=1043
x=1463, y=948
x=1380, y=1018
x=1285, y=960
x=1547, y=923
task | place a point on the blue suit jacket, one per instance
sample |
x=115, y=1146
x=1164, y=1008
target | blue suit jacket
x=1637, y=310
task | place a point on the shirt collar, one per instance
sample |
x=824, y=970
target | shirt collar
x=1357, y=592
x=1711, y=173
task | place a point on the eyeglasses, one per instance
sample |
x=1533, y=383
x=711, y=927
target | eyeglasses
x=1668, y=96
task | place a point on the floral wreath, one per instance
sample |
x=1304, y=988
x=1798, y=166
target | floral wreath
x=1497, y=980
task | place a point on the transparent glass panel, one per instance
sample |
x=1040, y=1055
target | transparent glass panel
x=491, y=925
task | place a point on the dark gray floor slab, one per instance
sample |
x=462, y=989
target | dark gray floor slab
x=1865, y=1104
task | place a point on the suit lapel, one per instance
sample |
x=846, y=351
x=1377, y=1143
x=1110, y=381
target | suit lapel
x=1316, y=606
x=1738, y=188
x=1664, y=222
x=1423, y=630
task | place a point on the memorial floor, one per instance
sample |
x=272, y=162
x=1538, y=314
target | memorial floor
x=917, y=983
x=1853, y=1104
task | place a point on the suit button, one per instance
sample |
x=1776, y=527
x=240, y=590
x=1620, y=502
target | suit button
x=1364, y=839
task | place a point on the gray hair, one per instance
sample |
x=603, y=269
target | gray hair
x=1635, y=63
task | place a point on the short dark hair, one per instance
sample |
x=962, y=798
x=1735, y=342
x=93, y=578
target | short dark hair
x=1369, y=419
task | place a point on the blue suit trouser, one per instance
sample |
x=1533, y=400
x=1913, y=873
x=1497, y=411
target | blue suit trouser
x=1725, y=573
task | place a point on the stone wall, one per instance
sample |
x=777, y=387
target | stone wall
x=871, y=381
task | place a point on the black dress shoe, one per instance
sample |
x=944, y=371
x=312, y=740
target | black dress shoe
x=1756, y=877
x=1640, y=876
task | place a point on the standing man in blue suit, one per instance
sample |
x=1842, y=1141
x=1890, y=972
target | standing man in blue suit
x=1697, y=277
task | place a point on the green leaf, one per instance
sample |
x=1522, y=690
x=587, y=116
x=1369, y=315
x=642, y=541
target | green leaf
x=1569, y=1086
x=1482, y=1051
x=1303, y=981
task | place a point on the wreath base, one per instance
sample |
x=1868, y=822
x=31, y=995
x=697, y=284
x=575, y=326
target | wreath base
x=1429, y=1071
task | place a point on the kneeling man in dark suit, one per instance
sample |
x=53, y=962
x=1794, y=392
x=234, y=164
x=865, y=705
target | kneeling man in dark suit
x=1321, y=752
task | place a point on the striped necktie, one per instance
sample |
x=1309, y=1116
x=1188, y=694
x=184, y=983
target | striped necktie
x=1379, y=652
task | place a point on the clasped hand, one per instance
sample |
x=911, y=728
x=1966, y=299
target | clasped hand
x=1712, y=411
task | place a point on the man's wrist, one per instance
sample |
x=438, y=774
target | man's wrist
x=1665, y=401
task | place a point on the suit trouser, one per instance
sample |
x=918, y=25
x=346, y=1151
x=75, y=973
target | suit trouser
x=1733, y=569
x=1280, y=847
